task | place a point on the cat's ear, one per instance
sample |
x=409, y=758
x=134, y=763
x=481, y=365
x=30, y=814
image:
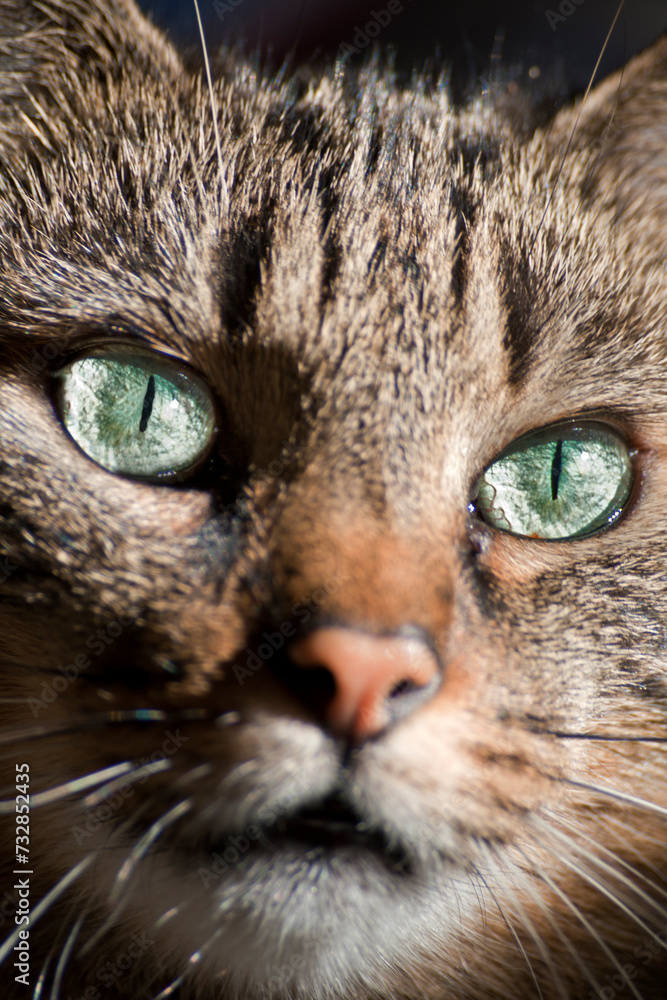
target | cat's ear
x=53, y=51
x=618, y=135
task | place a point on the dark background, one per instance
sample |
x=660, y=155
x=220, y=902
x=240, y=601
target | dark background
x=472, y=37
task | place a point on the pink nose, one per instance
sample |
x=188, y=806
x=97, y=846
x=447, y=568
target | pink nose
x=378, y=679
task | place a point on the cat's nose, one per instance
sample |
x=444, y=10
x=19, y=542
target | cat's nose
x=377, y=680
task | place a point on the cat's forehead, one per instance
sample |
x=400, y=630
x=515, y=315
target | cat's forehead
x=344, y=232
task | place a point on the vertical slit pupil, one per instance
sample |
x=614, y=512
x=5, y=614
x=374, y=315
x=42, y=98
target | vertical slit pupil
x=147, y=407
x=556, y=466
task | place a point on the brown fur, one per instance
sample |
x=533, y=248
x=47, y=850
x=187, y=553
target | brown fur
x=383, y=295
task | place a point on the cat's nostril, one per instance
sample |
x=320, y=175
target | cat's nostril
x=370, y=681
x=403, y=687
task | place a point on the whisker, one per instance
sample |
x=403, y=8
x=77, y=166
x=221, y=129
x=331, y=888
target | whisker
x=214, y=108
x=171, y=989
x=634, y=871
x=481, y=903
x=600, y=208
x=178, y=982
x=192, y=961
x=141, y=847
x=602, y=737
x=515, y=937
x=38, y=991
x=64, y=958
x=194, y=774
x=583, y=873
x=628, y=841
x=145, y=770
x=527, y=922
x=613, y=793
x=184, y=131
x=125, y=871
x=588, y=926
x=574, y=128
x=52, y=896
x=77, y=724
x=69, y=788
x=166, y=917
x=99, y=720
x=548, y=915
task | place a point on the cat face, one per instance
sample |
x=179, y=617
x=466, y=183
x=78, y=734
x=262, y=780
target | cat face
x=332, y=485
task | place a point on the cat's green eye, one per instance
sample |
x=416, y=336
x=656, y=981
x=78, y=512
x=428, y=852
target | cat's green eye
x=563, y=482
x=136, y=414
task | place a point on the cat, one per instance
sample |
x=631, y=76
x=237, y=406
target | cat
x=333, y=458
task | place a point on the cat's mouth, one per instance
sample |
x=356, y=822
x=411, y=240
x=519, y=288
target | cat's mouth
x=331, y=824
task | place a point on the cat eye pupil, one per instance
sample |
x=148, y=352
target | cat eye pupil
x=558, y=483
x=556, y=466
x=137, y=415
x=147, y=407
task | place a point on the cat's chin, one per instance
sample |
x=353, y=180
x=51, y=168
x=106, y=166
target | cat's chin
x=299, y=920
x=319, y=902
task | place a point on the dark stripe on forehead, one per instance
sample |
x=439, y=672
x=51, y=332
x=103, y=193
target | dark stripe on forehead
x=239, y=276
x=464, y=207
x=479, y=157
x=519, y=297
